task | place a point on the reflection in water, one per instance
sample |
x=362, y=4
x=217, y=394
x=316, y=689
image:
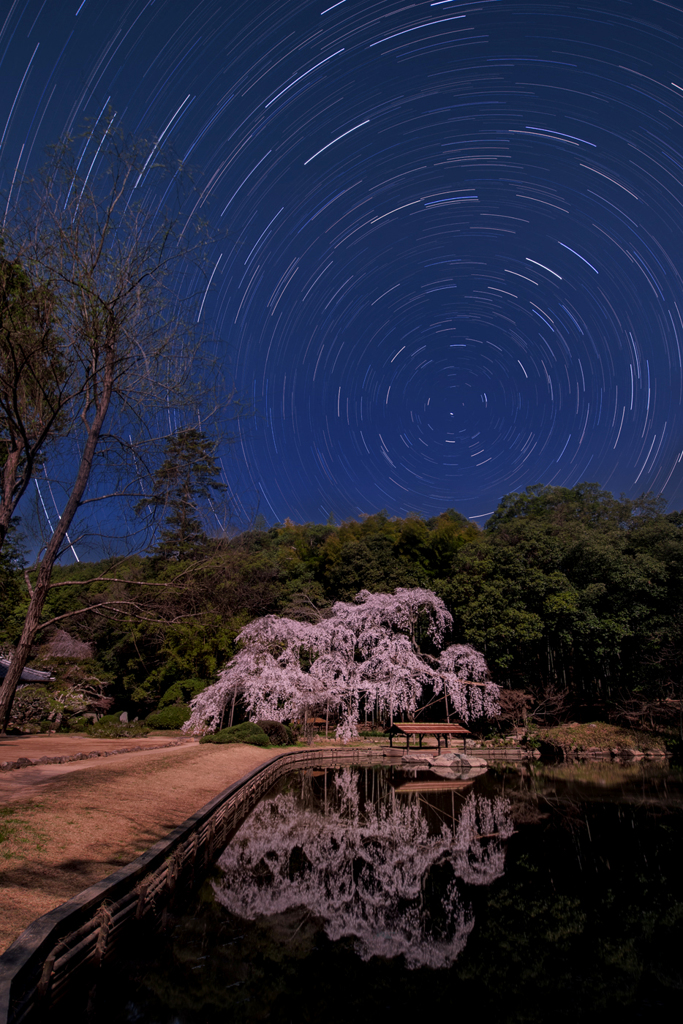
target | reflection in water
x=382, y=871
x=585, y=923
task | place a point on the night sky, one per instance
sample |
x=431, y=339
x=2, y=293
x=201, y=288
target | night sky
x=454, y=230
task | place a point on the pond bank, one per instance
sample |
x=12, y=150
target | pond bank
x=64, y=827
x=596, y=741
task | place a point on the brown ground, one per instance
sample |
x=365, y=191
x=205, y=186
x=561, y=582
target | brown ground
x=51, y=745
x=63, y=827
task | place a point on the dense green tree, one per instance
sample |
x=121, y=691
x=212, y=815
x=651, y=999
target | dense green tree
x=567, y=590
x=11, y=562
x=380, y=554
x=571, y=588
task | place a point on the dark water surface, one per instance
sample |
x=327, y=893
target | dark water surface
x=354, y=894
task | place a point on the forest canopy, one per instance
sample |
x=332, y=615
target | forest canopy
x=565, y=590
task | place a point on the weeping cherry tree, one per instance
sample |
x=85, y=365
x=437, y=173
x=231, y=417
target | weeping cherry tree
x=366, y=650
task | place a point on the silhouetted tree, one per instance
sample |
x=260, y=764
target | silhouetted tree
x=188, y=477
x=108, y=258
x=35, y=387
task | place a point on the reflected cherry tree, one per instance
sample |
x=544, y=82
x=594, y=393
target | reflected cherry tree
x=376, y=872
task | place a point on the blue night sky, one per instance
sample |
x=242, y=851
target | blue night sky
x=453, y=244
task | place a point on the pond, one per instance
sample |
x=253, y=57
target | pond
x=350, y=894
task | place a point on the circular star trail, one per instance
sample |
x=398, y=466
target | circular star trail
x=450, y=233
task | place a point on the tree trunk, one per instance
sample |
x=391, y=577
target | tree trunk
x=10, y=498
x=232, y=709
x=52, y=551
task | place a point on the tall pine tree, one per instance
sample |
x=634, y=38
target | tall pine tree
x=188, y=477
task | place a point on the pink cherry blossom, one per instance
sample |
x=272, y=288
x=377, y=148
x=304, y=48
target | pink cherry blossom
x=362, y=868
x=365, y=651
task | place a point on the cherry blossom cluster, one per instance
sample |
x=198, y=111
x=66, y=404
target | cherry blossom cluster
x=362, y=868
x=459, y=667
x=366, y=650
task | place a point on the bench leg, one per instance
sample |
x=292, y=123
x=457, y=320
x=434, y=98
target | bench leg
x=420, y=741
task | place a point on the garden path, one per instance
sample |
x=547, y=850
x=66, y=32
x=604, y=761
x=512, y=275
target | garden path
x=63, y=827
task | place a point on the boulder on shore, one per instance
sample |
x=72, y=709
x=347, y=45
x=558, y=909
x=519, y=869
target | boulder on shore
x=449, y=759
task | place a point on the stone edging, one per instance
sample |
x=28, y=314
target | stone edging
x=32, y=762
x=558, y=752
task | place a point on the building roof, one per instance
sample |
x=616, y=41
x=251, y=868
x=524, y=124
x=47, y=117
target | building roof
x=29, y=675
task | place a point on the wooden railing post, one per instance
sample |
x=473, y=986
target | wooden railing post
x=103, y=933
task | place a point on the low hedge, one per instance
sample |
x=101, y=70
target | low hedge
x=173, y=717
x=116, y=730
x=247, y=732
x=279, y=735
x=112, y=719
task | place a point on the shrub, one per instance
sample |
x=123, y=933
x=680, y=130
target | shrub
x=182, y=692
x=278, y=734
x=117, y=730
x=111, y=719
x=31, y=704
x=247, y=732
x=75, y=725
x=172, y=717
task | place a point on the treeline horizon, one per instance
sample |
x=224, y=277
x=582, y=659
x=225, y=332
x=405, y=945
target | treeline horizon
x=573, y=595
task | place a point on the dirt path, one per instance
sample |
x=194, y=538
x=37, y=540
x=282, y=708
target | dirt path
x=51, y=745
x=63, y=827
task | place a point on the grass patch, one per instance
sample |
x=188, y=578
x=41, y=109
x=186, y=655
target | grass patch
x=5, y=824
x=18, y=837
x=600, y=735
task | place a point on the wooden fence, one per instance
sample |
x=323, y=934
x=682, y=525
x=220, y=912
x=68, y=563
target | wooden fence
x=41, y=966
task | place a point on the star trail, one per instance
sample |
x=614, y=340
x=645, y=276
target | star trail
x=449, y=233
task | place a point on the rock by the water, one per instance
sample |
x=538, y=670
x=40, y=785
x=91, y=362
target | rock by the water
x=451, y=757
x=469, y=761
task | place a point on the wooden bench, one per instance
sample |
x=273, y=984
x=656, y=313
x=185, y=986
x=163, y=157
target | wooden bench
x=442, y=730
